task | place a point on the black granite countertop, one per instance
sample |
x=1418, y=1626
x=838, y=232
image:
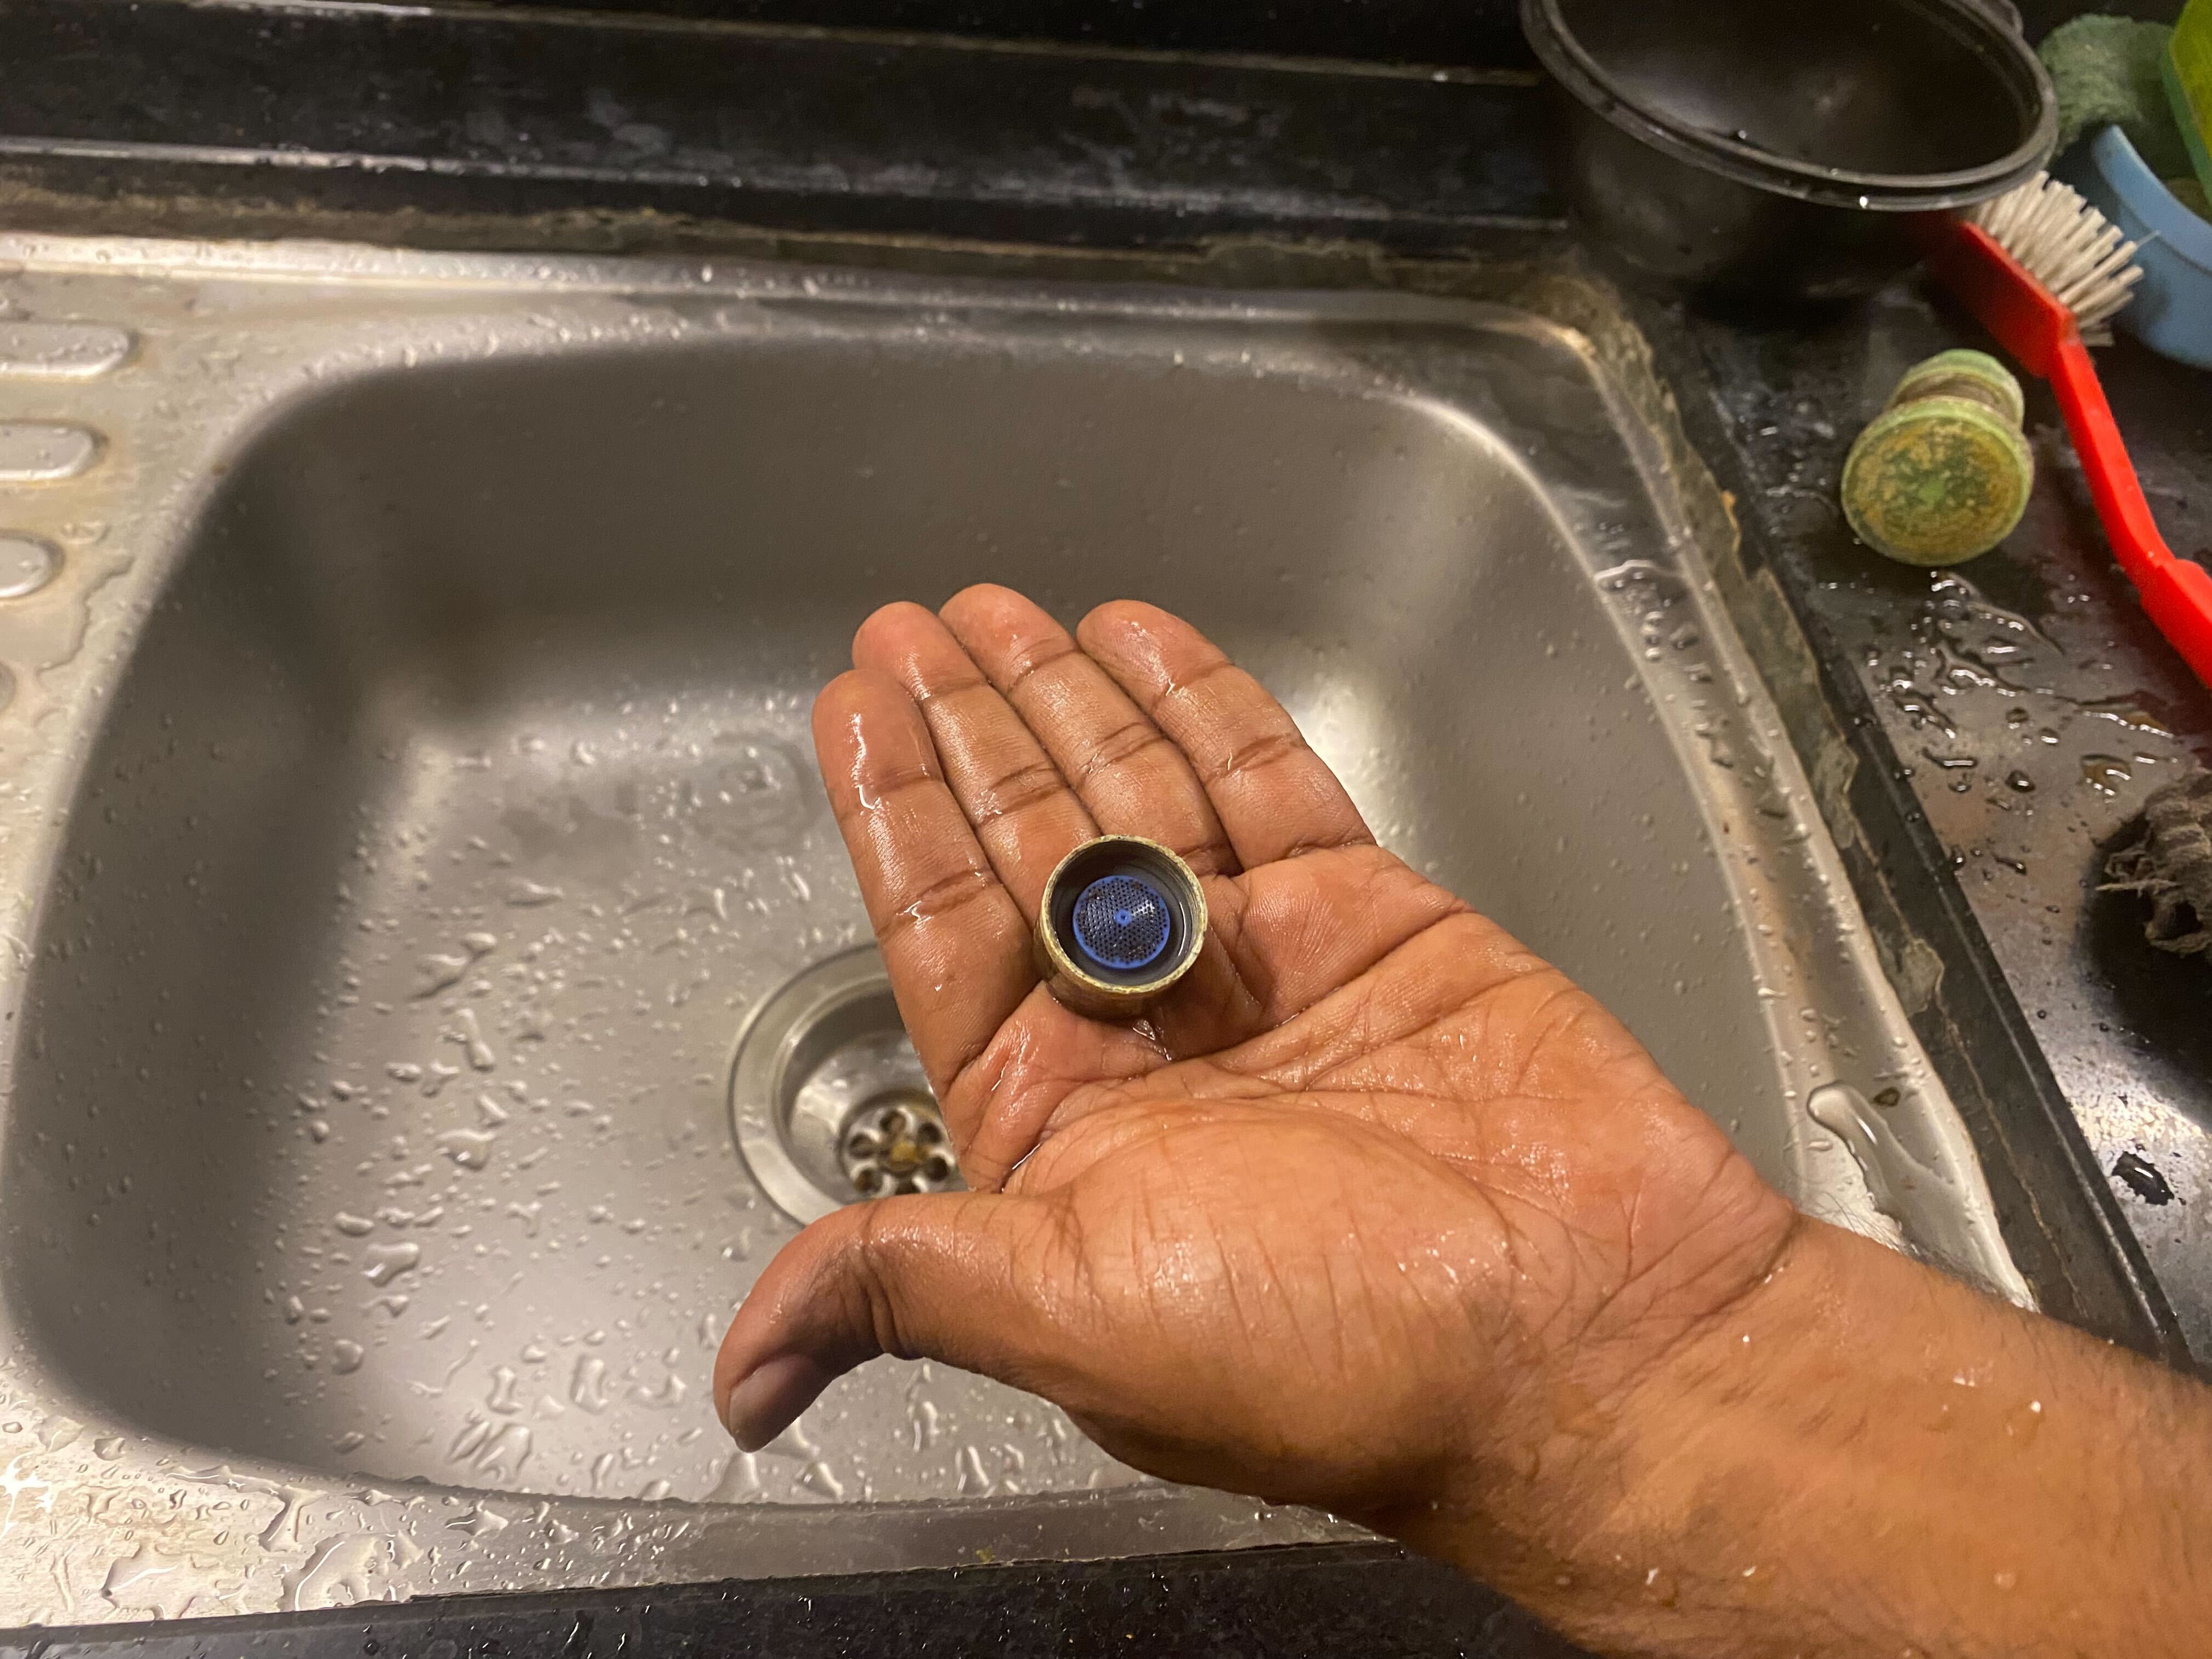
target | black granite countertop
x=2014, y=713
x=1306, y=1602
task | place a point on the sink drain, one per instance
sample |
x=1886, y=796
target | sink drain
x=897, y=1143
x=827, y=1098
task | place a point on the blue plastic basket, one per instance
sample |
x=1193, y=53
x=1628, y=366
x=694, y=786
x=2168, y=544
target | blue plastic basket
x=2172, y=311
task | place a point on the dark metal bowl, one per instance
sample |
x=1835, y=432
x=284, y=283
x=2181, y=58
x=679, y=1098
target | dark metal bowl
x=1744, y=148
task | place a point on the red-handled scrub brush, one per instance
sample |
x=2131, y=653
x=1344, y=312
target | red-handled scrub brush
x=2038, y=265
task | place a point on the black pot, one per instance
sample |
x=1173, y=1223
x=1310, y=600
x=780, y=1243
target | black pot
x=1754, y=150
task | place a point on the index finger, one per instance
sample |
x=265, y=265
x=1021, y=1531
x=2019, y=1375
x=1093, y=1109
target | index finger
x=956, y=944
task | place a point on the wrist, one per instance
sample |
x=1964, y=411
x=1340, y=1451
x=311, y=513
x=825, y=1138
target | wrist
x=1856, y=1451
x=1539, y=1501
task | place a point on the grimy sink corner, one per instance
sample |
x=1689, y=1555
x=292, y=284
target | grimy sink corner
x=408, y=805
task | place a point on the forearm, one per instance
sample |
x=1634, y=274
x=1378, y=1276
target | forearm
x=1863, y=1457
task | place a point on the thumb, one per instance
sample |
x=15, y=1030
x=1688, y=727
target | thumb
x=948, y=1276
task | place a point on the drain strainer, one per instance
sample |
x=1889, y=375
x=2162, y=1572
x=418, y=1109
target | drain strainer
x=897, y=1144
x=827, y=1099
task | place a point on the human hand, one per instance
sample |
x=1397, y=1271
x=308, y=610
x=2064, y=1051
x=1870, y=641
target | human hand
x=1379, y=1213
x=1376, y=1211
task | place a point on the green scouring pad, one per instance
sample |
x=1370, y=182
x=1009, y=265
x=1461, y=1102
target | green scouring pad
x=2107, y=71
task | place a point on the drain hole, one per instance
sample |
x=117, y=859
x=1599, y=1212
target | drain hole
x=828, y=1100
x=894, y=1144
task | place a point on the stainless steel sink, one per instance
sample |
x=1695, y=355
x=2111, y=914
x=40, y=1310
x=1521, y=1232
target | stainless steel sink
x=408, y=804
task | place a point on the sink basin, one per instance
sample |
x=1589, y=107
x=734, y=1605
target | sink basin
x=410, y=804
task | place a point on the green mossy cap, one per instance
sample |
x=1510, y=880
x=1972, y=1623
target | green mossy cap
x=1963, y=372
x=1937, y=481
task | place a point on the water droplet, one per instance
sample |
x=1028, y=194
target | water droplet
x=587, y=1384
x=27, y=564
x=149, y=1580
x=740, y=1483
x=349, y=1568
x=346, y=1356
x=480, y=1523
x=387, y=1261
x=2106, y=773
x=793, y=1443
x=2144, y=1178
x=973, y=1483
x=494, y=1452
x=1918, y=1198
x=433, y=973
x=470, y=1148
x=471, y=1037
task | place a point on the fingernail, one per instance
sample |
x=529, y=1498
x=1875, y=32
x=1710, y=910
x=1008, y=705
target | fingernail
x=770, y=1398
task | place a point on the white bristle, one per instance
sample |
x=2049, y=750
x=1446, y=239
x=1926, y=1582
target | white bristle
x=2069, y=246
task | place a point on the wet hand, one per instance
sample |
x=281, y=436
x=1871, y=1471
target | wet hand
x=1377, y=1210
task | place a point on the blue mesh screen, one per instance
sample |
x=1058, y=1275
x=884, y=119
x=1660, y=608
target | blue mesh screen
x=1123, y=921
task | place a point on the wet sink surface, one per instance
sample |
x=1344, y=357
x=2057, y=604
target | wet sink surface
x=429, y=805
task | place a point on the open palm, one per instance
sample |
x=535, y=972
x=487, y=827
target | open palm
x=1373, y=1195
